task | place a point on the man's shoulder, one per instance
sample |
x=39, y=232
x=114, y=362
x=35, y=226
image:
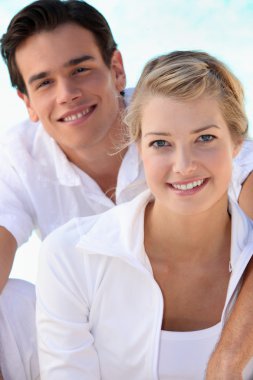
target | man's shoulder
x=121, y=219
x=23, y=133
x=25, y=142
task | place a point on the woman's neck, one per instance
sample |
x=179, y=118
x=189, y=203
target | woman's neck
x=169, y=235
x=189, y=255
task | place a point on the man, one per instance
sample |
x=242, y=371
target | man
x=72, y=79
x=64, y=62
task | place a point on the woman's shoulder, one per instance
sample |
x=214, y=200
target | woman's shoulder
x=101, y=231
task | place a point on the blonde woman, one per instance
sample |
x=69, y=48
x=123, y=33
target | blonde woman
x=143, y=291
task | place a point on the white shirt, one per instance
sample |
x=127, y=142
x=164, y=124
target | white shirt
x=242, y=167
x=184, y=355
x=99, y=310
x=40, y=189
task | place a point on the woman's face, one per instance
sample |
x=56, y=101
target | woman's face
x=187, y=152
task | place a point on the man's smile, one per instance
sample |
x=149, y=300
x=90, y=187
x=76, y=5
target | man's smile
x=72, y=116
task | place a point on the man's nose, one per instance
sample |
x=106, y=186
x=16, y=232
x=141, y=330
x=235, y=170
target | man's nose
x=67, y=92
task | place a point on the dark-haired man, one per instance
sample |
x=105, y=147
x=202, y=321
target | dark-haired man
x=64, y=62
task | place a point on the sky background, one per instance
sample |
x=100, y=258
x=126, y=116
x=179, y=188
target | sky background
x=144, y=29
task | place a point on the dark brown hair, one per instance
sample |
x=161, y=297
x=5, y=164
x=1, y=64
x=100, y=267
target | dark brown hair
x=46, y=15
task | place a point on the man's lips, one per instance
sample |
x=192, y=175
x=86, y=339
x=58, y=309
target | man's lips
x=76, y=114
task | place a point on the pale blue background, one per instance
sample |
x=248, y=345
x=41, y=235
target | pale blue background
x=142, y=30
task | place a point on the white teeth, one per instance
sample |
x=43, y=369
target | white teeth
x=188, y=186
x=76, y=116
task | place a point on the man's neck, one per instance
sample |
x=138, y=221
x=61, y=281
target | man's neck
x=102, y=161
x=104, y=170
x=101, y=164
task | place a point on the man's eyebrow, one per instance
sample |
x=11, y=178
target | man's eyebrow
x=192, y=132
x=38, y=76
x=71, y=62
x=76, y=61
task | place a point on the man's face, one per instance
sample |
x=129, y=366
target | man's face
x=69, y=87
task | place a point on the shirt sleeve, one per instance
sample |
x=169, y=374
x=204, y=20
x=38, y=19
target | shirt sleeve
x=242, y=167
x=15, y=207
x=65, y=342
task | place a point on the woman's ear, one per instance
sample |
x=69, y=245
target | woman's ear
x=32, y=114
x=138, y=143
x=237, y=147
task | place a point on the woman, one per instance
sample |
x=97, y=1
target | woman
x=143, y=290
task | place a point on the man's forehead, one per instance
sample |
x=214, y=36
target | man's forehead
x=67, y=35
x=67, y=45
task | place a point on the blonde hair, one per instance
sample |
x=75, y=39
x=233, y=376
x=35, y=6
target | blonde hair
x=186, y=75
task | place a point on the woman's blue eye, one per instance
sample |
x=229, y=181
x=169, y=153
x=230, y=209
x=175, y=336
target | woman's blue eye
x=159, y=144
x=206, y=138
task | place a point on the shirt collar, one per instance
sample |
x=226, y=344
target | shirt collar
x=126, y=221
x=241, y=232
x=62, y=170
x=65, y=171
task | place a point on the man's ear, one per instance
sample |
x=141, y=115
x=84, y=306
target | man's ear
x=117, y=68
x=32, y=114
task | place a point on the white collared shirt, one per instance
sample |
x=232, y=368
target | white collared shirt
x=99, y=309
x=40, y=189
x=242, y=167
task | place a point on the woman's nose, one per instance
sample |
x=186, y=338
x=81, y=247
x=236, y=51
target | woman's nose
x=184, y=162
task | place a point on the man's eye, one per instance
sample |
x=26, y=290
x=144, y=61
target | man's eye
x=206, y=138
x=159, y=144
x=80, y=70
x=44, y=83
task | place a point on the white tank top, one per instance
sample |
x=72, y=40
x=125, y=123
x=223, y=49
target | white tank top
x=184, y=355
